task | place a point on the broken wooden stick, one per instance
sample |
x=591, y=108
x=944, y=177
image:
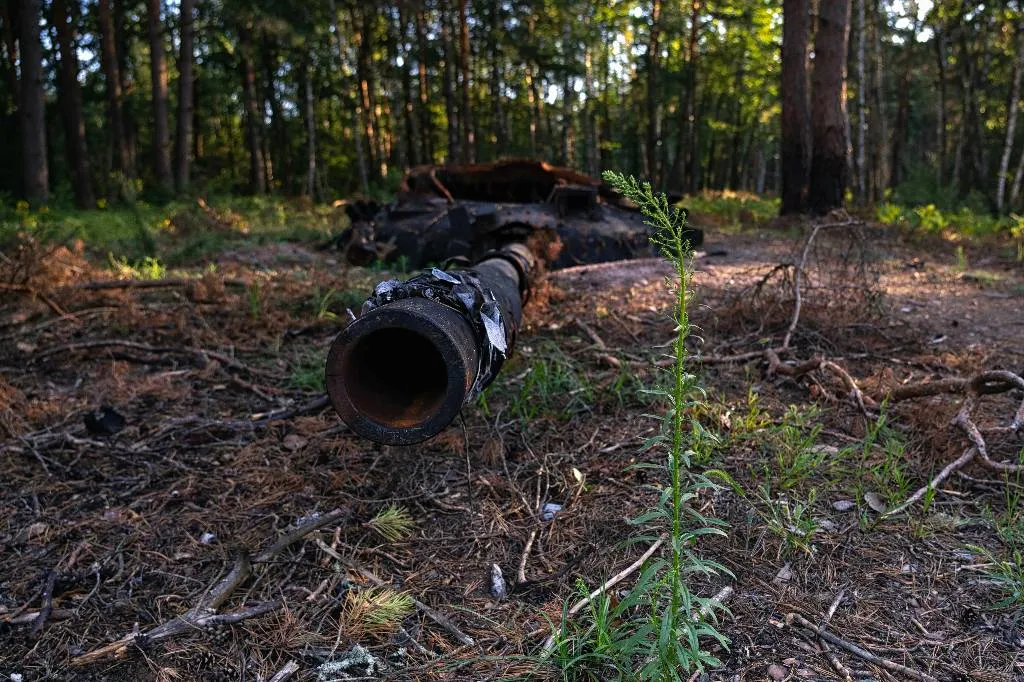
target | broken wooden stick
x=549, y=643
x=205, y=611
x=891, y=666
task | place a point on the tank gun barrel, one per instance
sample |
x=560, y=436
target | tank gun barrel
x=420, y=349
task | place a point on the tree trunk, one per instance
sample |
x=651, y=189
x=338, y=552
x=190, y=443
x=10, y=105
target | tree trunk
x=367, y=87
x=35, y=172
x=253, y=115
x=1011, y=123
x=469, y=150
x=10, y=53
x=862, y=121
x=361, y=165
x=122, y=159
x=449, y=87
x=940, y=108
x=183, y=134
x=131, y=131
x=899, y=132
x=309, y=111
x=828, y=107
x=426, y=124
x=653, y=98
x=533, y=101
x=71, y=106
x=158, y=74
x=880, y=164
x=795, y=116
x=409, y=118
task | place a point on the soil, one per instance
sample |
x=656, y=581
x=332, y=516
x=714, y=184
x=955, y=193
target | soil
x=225, y=448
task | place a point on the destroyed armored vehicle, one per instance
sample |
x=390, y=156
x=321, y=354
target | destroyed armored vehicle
x=453, y=212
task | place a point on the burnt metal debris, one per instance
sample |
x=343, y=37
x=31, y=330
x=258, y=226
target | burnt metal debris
x=401, y=372
x=467, y=210
x=421, y=348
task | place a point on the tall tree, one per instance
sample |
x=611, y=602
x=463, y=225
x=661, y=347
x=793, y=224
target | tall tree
x=158, y=75
x=862, y=121
x=122, y=158
x=186, y=91
x=466, y=114
x=253, y=115
x=1013, y=106
x=71, y=106
x=35, y=170
x=795, y=152
x=653, y=96
x=425, y=118
x=828, y=107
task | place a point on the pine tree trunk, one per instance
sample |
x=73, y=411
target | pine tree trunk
x=652, y=99
x=468, y=135
x=35, y=171
x=828, y=107
x=158, y=75
x=795, y=115
x=899, y=132
x=880, y=164
x=940, y=108
x=532, y=101
x=309, y=111
x=862, y=121
x=426, y=124
x=364, y=72
x=448, y=86
x=253, y=115
x=1011, y=123
x=183, y=134
x=10, y=53
x=122, y=160
x=71, y=107
x=409, y=118
x=361, y=165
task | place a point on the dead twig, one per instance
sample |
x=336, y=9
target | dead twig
x=891, y=666
x=521, y=574
x=204, y=613
x=549, y=643
x=201, y=353
x=290, y=668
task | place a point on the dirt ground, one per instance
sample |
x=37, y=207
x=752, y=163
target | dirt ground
x=226, y=447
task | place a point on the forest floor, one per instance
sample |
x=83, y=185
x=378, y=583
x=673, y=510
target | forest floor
x=226, y=447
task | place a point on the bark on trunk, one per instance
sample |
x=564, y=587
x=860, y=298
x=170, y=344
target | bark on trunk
x=35, y=172
x=158, y=75
x=409, y=119
x=367, y=94
x=1011, y=123
x=653, y=131
x=940, y=108
x=71, y=107
x=122, y=160
x=426, y=124
x=361, y=165
x=449, y=87
x=795, y=116
x=186, y=102
x=309, y=111
x=862, y=121
x=828, y=108
x=253, y=115
x=469, y=148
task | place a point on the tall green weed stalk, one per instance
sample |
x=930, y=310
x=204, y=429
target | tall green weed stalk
x=657, y=631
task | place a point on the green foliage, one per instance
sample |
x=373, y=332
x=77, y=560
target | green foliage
x=796, y=456
x=554, y=386
x=307, y=373
x=733, y=209
x=963, y=221
x=393, y=523
x=652, y=631
x=1006, y=574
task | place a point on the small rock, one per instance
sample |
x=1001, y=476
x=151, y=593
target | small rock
x=17, y=677
x=499, y=588
x=828, y=525
x=784, y=575
x=357, y=663
x=823, y=449
x=207, y=537
x=843, y=505
x=778, y=672
x=875, y=501
x=294, y=442
x=963, y=555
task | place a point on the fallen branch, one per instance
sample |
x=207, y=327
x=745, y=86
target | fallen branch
x=204, y=613
x=891, y=666
x=202, y=354
x=284, y=673
x=549, y=643
x=940, y=478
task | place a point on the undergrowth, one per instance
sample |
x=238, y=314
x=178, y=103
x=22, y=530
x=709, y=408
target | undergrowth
x=656, y=631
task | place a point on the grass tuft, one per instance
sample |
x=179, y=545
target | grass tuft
x=393, y=523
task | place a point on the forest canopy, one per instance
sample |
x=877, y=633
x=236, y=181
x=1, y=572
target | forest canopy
x=109, y=98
